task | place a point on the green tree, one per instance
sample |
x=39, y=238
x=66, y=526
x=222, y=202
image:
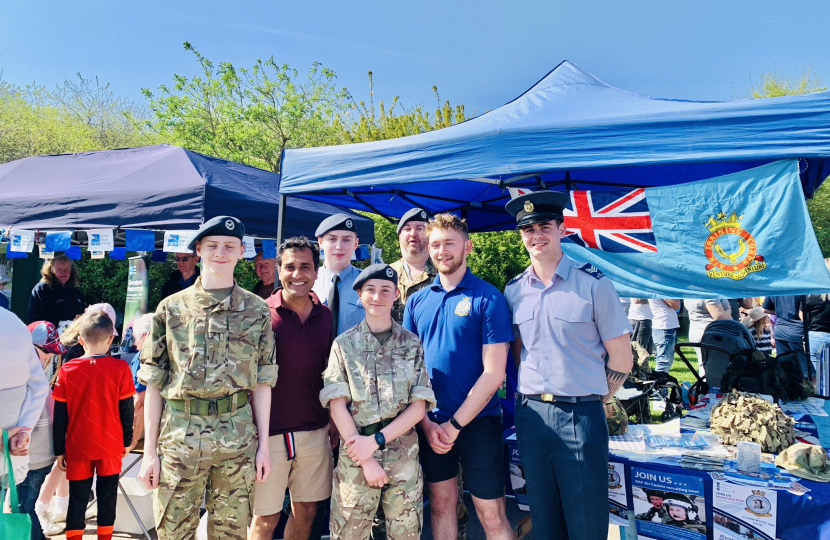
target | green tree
x=249, y=115
x=775, y=84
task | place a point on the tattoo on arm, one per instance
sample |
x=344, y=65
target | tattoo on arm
x=615, y=381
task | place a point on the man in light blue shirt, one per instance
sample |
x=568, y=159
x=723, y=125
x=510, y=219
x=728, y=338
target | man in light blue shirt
x=337, y=237
x=571, y=334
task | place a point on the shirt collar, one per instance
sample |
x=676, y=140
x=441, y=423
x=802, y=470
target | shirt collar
x=343, y=273
x=563, y=270
x=467, y=282
x=275, y=300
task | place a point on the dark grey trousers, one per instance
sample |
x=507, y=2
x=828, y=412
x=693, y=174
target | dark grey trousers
x=564, y=452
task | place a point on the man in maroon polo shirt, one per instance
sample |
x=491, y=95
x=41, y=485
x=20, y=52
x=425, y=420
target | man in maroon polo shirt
x=301, y=456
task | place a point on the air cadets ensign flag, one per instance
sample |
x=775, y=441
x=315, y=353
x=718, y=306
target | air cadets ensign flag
x=734, y=236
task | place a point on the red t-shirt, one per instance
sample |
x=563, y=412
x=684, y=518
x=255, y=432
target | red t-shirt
x=91, y=389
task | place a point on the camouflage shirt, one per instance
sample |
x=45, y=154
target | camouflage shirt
x=202, y=347
x=378, y=381
x=408, y=287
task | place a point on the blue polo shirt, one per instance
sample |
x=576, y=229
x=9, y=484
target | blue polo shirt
x=453, y=326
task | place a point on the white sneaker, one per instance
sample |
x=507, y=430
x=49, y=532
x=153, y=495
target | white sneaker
x=52, y=528
x=58, y=517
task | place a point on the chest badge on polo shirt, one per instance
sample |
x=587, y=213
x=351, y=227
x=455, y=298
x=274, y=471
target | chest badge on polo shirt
x=464, y=306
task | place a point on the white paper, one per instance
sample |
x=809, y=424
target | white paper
x=100, y=240
x=812, y=406
x=177, y=241
x=22, y=241
x=250, y=249
x=739, y=510
x=96, y=254
x=45, y=254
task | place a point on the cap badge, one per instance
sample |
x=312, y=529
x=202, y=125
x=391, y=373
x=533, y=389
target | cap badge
x=528, y=207
x=423, y=215
x=229, y=224
x=389, y=272
x=349, y=223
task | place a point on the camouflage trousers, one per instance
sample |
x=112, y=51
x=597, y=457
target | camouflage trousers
x=354, y=503
x=208, y=458
x=461, y=512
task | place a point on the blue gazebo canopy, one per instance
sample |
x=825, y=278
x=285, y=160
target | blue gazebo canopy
x=160, y=187
x=569, y=131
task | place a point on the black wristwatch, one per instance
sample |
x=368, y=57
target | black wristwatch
x=455, y=423
x=381, y=440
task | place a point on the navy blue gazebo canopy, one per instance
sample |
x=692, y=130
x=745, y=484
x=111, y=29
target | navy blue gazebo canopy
x=569, y=131
x=158, y=187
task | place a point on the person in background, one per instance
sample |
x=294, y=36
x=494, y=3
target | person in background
x=42, y=456
x=23, y=392
x=183, y=277
x=639, y=316
x=4, y=280
x=701, y=313
x=93, y=425
x=337, y=238
x=735, y=305
x=141, y=328
x=56, y=298
x=758, y=322
x=266, y=271
x=818, y=308
x=299, y=431
x=415, y=270
x=664, y=325
x=789, y=328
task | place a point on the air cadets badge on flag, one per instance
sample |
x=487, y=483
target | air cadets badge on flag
x=739, y=235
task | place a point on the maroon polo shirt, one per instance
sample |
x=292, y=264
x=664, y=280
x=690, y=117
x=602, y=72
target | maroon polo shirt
x=302, y=355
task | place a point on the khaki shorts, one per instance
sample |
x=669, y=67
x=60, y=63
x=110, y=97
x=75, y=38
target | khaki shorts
x=307, y=476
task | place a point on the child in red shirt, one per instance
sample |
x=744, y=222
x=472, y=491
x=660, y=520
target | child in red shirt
x=93, y=424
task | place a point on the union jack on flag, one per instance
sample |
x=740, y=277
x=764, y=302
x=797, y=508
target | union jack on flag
x=616, y=221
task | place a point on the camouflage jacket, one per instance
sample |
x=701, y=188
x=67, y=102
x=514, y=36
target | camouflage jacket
x=199, y=347
x=408, y=287
x=378, y=381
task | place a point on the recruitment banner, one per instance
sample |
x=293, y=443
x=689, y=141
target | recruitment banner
x=742, y=512
x=138, y=292
x=739, y=235
x=668, y=506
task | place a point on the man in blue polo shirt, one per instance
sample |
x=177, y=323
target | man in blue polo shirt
x=465, y=327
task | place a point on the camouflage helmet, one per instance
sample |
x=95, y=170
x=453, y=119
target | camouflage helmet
x=806, y=461
x=616, y=417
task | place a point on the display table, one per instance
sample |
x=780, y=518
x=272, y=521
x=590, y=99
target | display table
x=719, y=505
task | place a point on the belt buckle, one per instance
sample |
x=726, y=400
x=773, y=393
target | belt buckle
x=213, y=407
x=547, y=398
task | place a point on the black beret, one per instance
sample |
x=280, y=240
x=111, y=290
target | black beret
x=218, y=226
x=337, y=222
x=538, y=207
x=416, y=214
x=376, y=271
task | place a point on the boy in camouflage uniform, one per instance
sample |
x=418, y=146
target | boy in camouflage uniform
x=377, y=389
x=208, y=346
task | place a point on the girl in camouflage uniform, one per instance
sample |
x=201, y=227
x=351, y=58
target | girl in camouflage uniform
x=377, y=388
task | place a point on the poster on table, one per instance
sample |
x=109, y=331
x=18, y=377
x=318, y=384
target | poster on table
x=668, y=506
x=617, y=495
x=742, y=512
x=138, y=292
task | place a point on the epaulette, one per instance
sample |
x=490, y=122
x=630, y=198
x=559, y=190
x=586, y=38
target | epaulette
x=592, y=270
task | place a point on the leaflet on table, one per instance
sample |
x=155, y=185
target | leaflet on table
x=617, y=494
x=667, y=505
x=769, y=477
x=741, y=512
x=812, y=406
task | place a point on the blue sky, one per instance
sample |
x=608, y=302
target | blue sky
x=479, y=53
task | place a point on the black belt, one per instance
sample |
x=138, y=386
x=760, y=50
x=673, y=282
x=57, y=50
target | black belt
x=210, y=407
x=371, y=429
x=550, y=398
